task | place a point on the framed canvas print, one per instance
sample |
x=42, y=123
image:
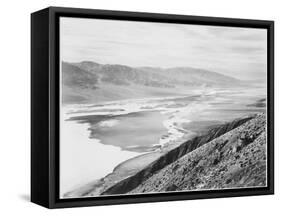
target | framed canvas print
x=138, y=107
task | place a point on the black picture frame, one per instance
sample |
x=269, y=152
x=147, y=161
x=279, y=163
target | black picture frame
x=45, y=106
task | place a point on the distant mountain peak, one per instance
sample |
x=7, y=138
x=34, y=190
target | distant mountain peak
x=89, y=62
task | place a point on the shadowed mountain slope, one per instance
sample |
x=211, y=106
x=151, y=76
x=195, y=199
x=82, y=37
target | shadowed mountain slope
x=86, y=81
x=235, y=159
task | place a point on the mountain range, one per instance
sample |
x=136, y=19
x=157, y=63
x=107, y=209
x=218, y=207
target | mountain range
x=87, y=81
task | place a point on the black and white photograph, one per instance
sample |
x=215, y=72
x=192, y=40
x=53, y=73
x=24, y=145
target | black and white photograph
x=151, y=107
x=140, y=108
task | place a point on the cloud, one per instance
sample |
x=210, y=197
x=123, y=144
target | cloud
x=247, y=49
x=250, y=37
x=228, y=50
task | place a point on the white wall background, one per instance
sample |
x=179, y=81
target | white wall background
x=15, y=106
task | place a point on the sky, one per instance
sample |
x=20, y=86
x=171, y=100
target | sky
x=236, y=52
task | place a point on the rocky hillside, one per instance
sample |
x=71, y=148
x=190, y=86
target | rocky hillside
x=234, y=159
x=152, y=176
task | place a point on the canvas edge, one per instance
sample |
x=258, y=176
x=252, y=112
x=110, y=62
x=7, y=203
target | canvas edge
x=53, y=201
x=39, y=189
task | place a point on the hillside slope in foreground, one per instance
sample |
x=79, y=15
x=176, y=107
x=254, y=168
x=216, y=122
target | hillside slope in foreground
x=231, y=155
x=233, y=160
